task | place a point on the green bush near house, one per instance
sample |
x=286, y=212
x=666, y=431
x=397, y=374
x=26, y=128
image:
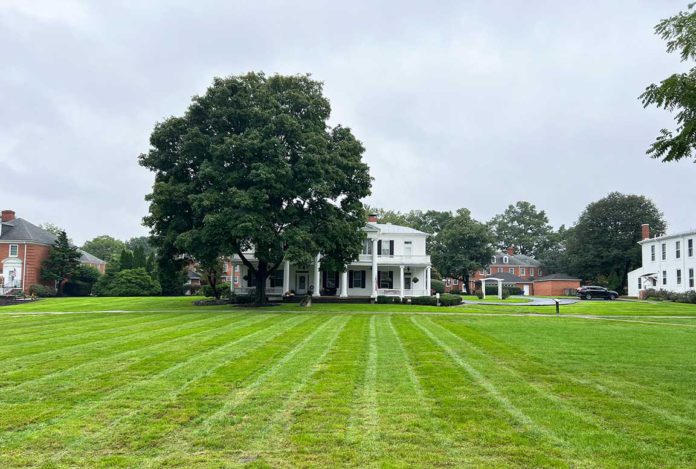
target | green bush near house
x=438, y=286
x=42, y=291
x=665, y=295
x=129, y=282
x=424, y=300
x=450, y=300
x=223, y=288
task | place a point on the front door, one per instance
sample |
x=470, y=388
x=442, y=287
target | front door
x=526, y=290
x=12, y=273
x=301, y=283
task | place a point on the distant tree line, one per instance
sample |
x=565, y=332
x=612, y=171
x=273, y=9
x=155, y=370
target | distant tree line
x=600, y=248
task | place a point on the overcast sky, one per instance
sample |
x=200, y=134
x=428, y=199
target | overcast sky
x=471, y=104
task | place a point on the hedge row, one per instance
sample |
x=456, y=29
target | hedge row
x=664, y=295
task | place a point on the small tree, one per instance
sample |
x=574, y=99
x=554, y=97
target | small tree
x=125, y=260
x=104, y=247
x=463, y=246
x=62, y=263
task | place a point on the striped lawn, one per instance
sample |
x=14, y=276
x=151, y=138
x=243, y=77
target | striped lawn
x=217, y=389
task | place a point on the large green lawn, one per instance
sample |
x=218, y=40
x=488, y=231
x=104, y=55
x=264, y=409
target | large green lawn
x=334, y=385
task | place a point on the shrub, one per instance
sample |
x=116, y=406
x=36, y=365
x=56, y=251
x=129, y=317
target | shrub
x=515, y=290
x=456, y=290
x=450, y=300
x=479, y=294
x=77, y=288
x=42, y=291
x=424, y=300
x=438, y=286
x=665, y=295
x=223, y=288
x=129, y=282
x=388, y=300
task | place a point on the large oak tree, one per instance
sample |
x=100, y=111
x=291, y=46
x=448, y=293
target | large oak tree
x=253, y=165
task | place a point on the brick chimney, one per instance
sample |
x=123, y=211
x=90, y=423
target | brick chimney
x=8, y=215
x=372, y=218
x=511, y=251
x=645, y=229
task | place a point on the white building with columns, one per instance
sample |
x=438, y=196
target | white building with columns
x=669, y=263
x=393, y=262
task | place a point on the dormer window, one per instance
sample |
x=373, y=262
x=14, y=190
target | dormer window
x=505, y=259
x=493, y=260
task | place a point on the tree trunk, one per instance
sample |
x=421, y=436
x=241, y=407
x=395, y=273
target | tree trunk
x=261, y=276
x=467, y=285
x=213, y=282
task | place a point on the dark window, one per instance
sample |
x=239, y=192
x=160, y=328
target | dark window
x=385, y=279
x=356, y=278
x=678, y=276
x=276, y=278
x=690, y=248
x=652, y=252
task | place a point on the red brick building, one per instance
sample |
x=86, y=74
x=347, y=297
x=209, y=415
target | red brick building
x=23, y=248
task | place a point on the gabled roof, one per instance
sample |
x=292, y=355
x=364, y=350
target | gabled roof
x=87, y=258
x=556, y=277
x=507, y=277
x=21, y=230
x=515, y=259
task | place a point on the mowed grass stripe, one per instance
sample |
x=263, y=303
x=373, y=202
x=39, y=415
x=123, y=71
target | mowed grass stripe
x=44, y=342
x=145, y=376
x=363, y=428
x=250, y=411
x=410, y=432
x=154, y=345
x=597, y=385
x=20, y=326
x=481, y=427
x=587, y=434
x=26, y=368
x=168, y=412
x=37, y=355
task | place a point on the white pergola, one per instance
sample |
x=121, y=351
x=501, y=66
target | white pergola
x=500, y=286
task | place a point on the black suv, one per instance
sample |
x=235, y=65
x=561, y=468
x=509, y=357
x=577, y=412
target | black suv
x=590, y=293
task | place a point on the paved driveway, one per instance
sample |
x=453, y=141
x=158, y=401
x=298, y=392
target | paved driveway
x=532, y=301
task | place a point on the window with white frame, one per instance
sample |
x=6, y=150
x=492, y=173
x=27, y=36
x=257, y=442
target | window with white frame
x=493, y=260
x=691, y=278
x=677, y=249
x=455, y=281
x=539, y=272
x=652, y=253
x=531, y=271
x=512, y=270
x=506, y=259
x=500, y=269
x=523, y=271
x=367, y=246
x=640, y=283
x=14, y=250
x=678, y=276
x=690, y=248
x=664, y=277
x=664, y=251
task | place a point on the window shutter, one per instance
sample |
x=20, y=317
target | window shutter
x=379, y=248
x=336, y=279
x=350, y=279
x=364, y=276
x=391, y=247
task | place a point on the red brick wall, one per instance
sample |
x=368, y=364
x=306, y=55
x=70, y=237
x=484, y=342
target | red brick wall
x=554, y=287
x=36, y=254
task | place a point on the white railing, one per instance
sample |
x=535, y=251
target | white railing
x=396, y=259
x=252, y=290
x=397, y=292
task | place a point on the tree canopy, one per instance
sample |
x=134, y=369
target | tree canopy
x=524, y=227
x=62, y=263
x=104, y=247
x=253, y=165
x=676, y=93
x=462, y=246
x=603, y=242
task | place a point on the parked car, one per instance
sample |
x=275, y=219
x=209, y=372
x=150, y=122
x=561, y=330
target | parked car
x=594, y=292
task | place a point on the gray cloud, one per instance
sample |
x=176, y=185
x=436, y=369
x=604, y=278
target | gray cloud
x=474, y=104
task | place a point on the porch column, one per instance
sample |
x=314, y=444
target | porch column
x=483, y=287
x=317, y=280
x=344, y=284
x=373, y=289
x=232, y=277
x=401, y=280
x=427, y=281
x=286, y=276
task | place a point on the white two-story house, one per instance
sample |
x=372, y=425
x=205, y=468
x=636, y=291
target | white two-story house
x=393, y=262
x=669, y=263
